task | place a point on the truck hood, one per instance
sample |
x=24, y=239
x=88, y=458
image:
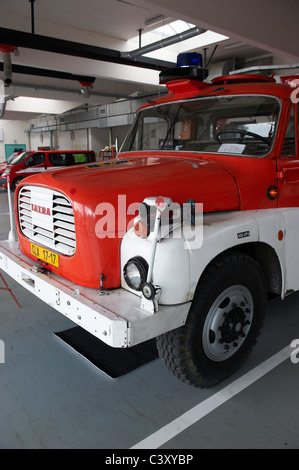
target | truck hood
x=139, y=177
x=117, y=187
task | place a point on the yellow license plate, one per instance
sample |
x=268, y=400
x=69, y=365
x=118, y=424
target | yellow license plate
x=45, y=255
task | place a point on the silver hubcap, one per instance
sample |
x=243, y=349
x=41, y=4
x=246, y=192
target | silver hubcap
x=228, y=323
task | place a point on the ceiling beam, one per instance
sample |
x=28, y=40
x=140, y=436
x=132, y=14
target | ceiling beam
x=76, y=49
x=23, y=69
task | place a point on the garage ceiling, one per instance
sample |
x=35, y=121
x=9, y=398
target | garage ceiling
x=119, y=26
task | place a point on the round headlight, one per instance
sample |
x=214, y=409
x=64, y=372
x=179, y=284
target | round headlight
x=135, y=272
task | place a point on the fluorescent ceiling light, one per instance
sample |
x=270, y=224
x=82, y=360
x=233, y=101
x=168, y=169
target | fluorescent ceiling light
x=40, y=105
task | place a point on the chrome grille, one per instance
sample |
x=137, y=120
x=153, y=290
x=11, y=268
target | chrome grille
x=46, y=217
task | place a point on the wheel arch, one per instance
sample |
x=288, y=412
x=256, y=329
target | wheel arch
x=266, y=256
x=15, y=182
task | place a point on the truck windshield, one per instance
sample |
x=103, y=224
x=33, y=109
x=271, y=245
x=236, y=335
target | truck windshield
x=12, y=157
x=231, y=125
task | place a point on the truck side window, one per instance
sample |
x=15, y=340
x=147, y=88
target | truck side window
x=289, y=146
x=56, y=159
x=39, y=159
x=36, y=159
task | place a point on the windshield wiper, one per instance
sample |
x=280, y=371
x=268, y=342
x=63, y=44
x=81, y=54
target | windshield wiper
x=159, y=110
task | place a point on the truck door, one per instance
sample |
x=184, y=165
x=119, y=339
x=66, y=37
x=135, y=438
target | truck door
x=288, y=164
x=288, y=197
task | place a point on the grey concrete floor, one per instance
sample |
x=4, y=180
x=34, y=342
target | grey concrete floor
x=52, y=398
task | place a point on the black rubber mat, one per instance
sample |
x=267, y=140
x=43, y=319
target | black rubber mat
x=115, y=362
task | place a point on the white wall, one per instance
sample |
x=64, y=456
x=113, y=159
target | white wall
x=73, y=140
x=13, y=133
x=120, y=133
x=58, y=140
x=86, y=139
x=99, y=138
x=39, y=140
x=94, y=139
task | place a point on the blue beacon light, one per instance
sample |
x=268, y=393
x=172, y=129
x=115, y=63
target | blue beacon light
x=189, y=59
x=189, y=65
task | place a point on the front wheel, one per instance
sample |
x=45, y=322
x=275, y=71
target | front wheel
x=15, y=183
x=223, y=324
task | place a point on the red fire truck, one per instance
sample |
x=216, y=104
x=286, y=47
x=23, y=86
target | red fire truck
x=185, y=235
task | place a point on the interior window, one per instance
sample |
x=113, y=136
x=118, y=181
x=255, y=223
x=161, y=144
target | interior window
x=81, y=157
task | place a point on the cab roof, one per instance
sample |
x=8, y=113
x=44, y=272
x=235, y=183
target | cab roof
x=228, y=85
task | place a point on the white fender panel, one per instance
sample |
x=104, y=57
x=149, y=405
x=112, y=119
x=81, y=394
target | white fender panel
x=291, y=244
x=171, y=267
x=178, y=266
x=221, y=231
x=270, y=223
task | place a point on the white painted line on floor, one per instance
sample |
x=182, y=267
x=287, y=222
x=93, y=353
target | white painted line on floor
x=157, y=439
x=5, y=213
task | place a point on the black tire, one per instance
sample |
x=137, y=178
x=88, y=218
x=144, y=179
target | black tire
x=223, y=323
x=15, y=183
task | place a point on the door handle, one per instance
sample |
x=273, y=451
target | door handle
x=289, y=175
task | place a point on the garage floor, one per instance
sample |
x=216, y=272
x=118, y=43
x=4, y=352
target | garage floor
x=51, y=397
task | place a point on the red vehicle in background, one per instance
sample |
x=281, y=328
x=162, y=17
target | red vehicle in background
x=3, y=165
x=31, y=162
x=184, y=235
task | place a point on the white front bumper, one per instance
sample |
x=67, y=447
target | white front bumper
x=114, y=317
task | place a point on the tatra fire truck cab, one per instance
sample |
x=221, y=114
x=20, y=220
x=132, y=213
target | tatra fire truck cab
x=185, y=235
